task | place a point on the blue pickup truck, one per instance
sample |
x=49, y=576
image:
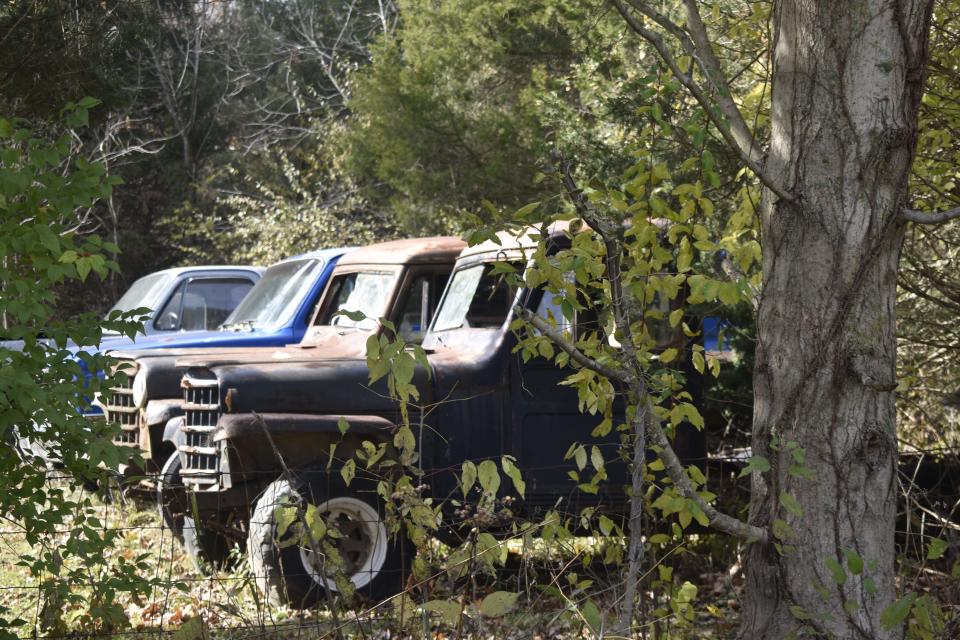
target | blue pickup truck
x=275, y=312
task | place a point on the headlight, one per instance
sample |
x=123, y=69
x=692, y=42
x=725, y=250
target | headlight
x=139, y=390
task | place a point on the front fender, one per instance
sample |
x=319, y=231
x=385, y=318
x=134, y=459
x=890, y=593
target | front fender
x=256, y=443
x=171, y=431
x=162, y=411
x=243, y=426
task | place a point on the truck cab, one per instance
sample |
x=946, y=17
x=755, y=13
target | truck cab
x=188, y=298
x=259, y=433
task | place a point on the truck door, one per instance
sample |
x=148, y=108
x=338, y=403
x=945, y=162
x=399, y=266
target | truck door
x=547, y=421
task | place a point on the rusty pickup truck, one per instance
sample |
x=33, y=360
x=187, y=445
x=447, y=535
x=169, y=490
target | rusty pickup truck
x=399, y=280
x=260, y=428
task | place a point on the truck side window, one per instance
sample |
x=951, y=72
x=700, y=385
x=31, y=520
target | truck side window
x=550, y=309
x=476, y=298
x=339, y=291
x=366, y=292
x=415, y=315
x=585, y=320
x=202, y=304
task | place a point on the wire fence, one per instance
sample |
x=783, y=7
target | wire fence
x=237, y=598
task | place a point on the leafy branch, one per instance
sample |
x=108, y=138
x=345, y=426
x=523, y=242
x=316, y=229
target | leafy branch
x=726, y=116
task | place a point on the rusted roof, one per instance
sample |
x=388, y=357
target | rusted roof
x=517, y=239
x=410, y=251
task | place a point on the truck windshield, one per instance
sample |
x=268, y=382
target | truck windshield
x=366, y=292
x=145, y=292
x=475, y=298
x=276, y=297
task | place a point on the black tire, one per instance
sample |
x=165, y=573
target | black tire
x=205, y=547
x=283, y=572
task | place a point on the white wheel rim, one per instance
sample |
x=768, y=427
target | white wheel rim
x=367, y=532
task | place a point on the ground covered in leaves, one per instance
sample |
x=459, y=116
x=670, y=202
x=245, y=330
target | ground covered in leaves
x=559, y=595
x=549, y=591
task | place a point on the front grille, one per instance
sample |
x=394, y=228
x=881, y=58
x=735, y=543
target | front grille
x=121, y=408
x=199, y=459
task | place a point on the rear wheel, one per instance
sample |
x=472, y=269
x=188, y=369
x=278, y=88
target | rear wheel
x=290, y=568
x=203, y=545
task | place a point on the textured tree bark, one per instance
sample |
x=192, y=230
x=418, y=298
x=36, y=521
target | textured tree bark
x=846, y=86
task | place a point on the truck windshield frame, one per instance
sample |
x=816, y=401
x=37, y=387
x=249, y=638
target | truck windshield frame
x=368, y=292
x=276, y=296
x=476, y=298
x=142, y=293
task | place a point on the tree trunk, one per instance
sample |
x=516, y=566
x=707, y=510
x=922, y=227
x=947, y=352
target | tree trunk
x=846, y=86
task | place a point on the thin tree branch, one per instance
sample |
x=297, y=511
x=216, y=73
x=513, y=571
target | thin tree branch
x=912, y=215
x=711, y=69
x=575, y=354
x=728, y=121
x=625, y=314
x=719, y=521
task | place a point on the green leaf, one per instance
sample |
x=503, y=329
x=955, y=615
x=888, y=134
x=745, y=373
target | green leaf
x=756, y=463
x=526, y=209
x=513, y=473
x=580, y=456
x=498, y=603
x=596, y=458
x=894, y=615
x=937, y=548
x=800, y=613
x=798, y=471
x=356, y=316
x=348, y=472
x=790, y=504
x=668, y=355
x=316, y=525
x=468, y=476
x=343, y=425
x=606, y=525
x=782, y=530
x=675, y=317
x=192, y=629
x=836, y=570
x=284, y=516
x=447, y=610
x=591, y=613
x=854, y=562
x=489, y=477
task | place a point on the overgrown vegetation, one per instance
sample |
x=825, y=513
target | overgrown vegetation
x=248, y=131
x=44, y=389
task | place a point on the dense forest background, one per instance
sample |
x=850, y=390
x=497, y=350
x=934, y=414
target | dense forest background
x=246, y=131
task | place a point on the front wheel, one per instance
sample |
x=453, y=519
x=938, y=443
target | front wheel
x=203, y=546
x=295, y=568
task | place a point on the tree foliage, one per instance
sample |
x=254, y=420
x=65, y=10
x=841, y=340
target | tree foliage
x=44, y=390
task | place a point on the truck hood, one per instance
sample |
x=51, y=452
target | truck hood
x=190, y=340
x=323, y=386
x=320, y=343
